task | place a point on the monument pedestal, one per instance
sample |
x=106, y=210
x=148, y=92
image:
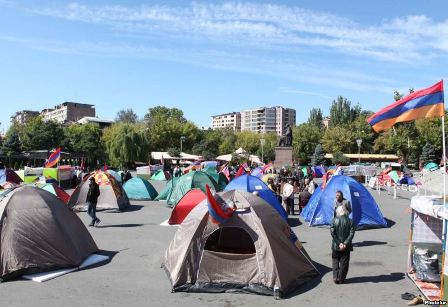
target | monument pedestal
x=283, y=156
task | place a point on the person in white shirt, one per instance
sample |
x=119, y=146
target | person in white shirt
x=311, y=186
x=288, y=196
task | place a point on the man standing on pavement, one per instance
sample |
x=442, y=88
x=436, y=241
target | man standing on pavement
x=288, y=196
x=342, y=232
x=92, y=200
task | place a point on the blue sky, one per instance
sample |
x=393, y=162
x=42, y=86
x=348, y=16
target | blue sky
x=213, y=57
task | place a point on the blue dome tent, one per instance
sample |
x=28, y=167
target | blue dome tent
x=139, y=189
x=248, y=183
x=366, y=213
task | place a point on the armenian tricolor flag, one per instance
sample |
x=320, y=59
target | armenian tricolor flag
x=219, y=212
x=267, y=167
x=424, y=103
x=54, y=158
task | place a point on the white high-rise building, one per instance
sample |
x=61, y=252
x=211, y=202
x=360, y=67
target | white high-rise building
x=284, y=117
x=228, y=120
x=272, y=119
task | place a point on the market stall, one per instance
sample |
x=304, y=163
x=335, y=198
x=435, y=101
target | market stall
x=425, y=245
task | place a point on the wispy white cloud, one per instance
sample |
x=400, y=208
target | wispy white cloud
x=220, y=60
x=252, y=38
x=402, y=39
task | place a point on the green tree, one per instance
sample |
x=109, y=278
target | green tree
x=173, y=151
x=228, y=143
x=249, y=141
x=270, y=142
x=428, y=154
x=166, y=126
x=338, y=139
x=318, y=156
x=12, y=143
x=340, y=159
x=126, y=116
x=38, y=135
x=163, y=113
x=399, y=140
x=316, y=118
x=125, y=144
x=85, y=140
x=305, y=139
x=342, y=113
x=430, y=131
x=361, y=129
x=207, y=148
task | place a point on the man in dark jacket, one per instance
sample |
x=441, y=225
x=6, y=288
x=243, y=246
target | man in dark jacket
x=341, y=201
x=92, y=200
x=342, y=232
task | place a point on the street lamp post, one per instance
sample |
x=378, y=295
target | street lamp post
x=262, y=141
x=182, y=139
x=359, y=142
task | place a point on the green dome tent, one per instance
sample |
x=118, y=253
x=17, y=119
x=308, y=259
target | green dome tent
x=165, y=193
x=219, y=178
x=191, y=180
x=160, y=175
x=431, y=166
x=139, y=189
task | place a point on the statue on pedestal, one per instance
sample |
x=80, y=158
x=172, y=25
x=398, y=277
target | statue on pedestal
x=286, y=138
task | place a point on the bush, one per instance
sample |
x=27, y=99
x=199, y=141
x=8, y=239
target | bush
x=340, y=159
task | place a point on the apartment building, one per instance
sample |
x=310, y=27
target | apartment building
x=22, y=117
x=67, y=112
x=228, y=120
x=268, y=119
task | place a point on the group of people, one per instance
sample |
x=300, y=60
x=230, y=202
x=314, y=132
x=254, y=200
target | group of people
x=289, y=184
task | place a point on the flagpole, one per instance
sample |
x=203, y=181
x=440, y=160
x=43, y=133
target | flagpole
x=444, y=208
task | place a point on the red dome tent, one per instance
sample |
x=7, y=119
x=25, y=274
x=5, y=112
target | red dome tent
x=185, y=205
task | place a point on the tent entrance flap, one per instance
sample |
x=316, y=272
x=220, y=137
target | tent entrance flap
x=230, y=240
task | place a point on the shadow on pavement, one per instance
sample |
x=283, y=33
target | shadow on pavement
x=294, y=221
x=393, y=277
x=133, y=208
x=368, y=243
x=120, y=226
x=311, y=284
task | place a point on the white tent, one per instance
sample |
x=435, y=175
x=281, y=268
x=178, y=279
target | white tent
x=239, y=152
x=157, y=155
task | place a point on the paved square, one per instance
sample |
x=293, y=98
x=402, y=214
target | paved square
x=137, y=243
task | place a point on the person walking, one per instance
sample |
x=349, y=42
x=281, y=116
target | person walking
x=92, y=200
x=341, y=201
x=342, y=232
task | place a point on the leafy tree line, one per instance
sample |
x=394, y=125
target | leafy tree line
x=348, y=123
x=132, y=139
